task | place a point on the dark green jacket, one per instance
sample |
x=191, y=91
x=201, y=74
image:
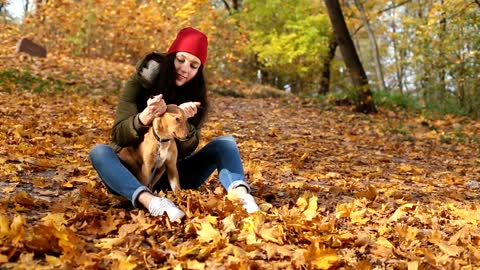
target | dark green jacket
x=127, y=129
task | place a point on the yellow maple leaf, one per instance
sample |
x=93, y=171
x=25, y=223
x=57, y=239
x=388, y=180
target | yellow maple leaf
x=344, y=210
x=17, y=228
x=53, y=261
x=122, y=262
x=8, y=189
x=235, y=251
x=450, y=250
x=127, y=229
x=228, y=223
x=108, y=243
x=381, y=251
x=308, y=205
x=273, y=250
x=401, y=211
x=413, y=265
x=384, y=242
x=207, y=233
x=302, y=203
x=463, y=233
x=247, y=231
x=56, y=220
x=321, y=258
x=4, y=225
x=273, y=233
x=194, y=264
x=359, y=217
x=311, y=211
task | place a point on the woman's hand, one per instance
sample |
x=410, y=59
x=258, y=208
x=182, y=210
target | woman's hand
x=190, y=108
x=156, y=106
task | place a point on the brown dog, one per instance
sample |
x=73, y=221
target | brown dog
x=158, y=150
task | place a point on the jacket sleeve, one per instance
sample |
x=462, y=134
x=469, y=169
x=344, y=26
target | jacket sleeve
x=185, y=148
x=127, y=128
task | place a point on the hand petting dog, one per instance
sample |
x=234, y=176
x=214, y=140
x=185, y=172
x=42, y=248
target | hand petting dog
x=156, y=107
x=190, y=108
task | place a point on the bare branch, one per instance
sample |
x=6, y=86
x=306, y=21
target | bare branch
x=227, y=6
x=380, y=12
x=396, y=5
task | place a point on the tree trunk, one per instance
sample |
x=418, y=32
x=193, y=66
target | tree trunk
x=365, y=102
x=442, y=75
x=398, y=55
x=325, y=77
x=25, y=8
x=373, y=41
x=227, y=6
x=236, y=4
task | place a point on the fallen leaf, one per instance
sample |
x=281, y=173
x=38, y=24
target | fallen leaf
x=122, y=262
x=321, y=258
x=207, y=233
x=8, y=190
x=273, y=233
x=4, y=226
x=3, y=258
x=228, y=223
x=401, y=211
x=109, y=243
x=195, y=265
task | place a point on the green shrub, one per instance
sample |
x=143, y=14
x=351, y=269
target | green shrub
x=448, y=105
x=395, y=100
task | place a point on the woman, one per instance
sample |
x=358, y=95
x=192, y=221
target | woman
x=172, y=78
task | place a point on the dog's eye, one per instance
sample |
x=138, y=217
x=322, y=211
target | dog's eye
x=178, y=119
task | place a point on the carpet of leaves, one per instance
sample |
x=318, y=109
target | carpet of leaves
x=338, y=190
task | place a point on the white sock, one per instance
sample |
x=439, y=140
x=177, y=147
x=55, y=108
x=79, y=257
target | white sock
x=159, y=205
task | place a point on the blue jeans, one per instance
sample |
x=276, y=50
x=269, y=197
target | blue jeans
x=220, y=153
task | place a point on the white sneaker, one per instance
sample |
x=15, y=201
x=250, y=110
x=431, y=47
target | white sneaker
x=159, y=205
x=249, y=203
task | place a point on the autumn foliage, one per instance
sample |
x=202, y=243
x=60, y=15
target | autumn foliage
x=338, y=190
x=125, y=31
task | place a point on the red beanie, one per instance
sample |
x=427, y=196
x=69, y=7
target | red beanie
x=192, y=41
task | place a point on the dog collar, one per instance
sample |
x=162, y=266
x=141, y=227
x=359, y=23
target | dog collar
x=158, y=137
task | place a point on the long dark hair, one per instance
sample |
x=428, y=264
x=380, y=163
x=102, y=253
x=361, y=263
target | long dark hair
x=194, y=90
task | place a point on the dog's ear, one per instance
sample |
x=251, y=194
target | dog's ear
x=172, y=108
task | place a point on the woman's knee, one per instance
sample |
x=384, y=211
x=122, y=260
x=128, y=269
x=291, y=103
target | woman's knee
x=225, y=140
x=100, y=152
x=224, y=144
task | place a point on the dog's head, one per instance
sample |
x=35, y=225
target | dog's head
x=173, y=123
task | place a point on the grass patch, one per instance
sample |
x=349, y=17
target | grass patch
x=226, y=92
x=14, y=80
x=395, y=101
x=335, y=99
x=476, y=139
x=401, y=132
x=447, y=107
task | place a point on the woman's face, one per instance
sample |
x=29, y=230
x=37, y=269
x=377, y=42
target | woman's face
x=186, y=67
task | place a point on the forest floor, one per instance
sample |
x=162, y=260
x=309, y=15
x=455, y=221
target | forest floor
x=337, y=189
